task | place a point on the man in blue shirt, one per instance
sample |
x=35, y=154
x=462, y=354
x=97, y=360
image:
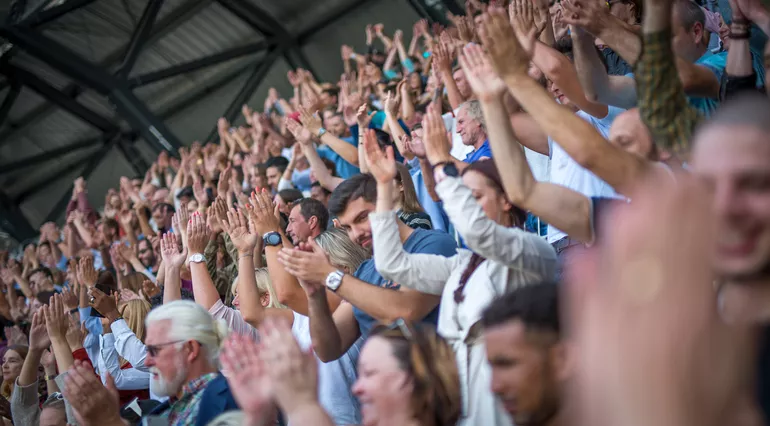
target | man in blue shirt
x=473, y=131
x=370, y=297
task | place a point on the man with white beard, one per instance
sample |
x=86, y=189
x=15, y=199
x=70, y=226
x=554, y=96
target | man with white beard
x=183, y=342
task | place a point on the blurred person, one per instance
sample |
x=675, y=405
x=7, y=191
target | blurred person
x=161, y=216
x=285, y=198
x=319, y=193
x=407, y=376
x=147, y=255
x=274, y=168
x=530, y=362
x=13, y=359
x=41, y=280
x=407, y=205
x=53, y=411
x=472, y=129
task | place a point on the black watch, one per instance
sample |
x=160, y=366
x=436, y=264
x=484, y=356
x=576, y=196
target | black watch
x=450, y=169
x=272, y=239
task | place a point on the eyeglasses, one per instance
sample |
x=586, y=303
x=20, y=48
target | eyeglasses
x=154, y=350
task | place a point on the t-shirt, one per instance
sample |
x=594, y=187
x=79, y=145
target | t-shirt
x=715, y=63
x=344, y=169
x=566, y=172
x=421, y=241
x=301, y=179
x=335, y=378
x=483, y=152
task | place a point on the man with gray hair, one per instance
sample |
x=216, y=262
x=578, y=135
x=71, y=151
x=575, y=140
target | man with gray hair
x=183, y=342
x=473, y=130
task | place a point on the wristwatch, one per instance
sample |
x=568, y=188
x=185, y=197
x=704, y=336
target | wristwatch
x=196, y=258
x=334, y=280
x=448, y=170
x=272, y=239
x=321, y=132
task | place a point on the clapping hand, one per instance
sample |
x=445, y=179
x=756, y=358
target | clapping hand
x=237, y=227
x=310, y=121
x=93, y=403
x=249, y=381
x=150, y=289
x=382, y=165
x=55, y=319
x=435, y=136
x=363, y=118
x=197, y=234
x=589, y=15
x=300, y=133
x=263, y=213
x=169, y=250
x=505, y=50
x=312, y=266
x=87, y=275
x=38, y=335
x=104, y=304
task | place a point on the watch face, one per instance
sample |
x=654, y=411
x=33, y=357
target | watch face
x=273, y=239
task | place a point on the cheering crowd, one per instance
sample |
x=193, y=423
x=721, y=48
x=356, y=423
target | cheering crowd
x=543, y=214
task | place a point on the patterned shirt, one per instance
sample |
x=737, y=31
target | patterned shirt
x=662, y=103
x=184, y=411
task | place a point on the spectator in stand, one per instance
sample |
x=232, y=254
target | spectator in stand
x=308, y=218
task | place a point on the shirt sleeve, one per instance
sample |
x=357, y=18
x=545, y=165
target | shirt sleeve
x=663, y=105
x=67, y=407
x=427, y=273
x=109, y=362
x=234, y=320
x=513, y=247
x=128, y=345
x=94, y=327
x=24, y=404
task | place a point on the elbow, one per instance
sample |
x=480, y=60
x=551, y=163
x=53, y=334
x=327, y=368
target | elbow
x=326, y=354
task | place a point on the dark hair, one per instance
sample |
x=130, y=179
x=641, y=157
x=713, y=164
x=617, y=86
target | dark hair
x=47, y=272
x=44, y=296
x=489, y=170
x=112, y=224
x=537, y=306
x=106, y=282
x=318, y=184
x=330, y=165
x=279, y=163
x=358, y=186
x=383, y=139
x=289, y=196
x=187, y=191
x=331, y=91
x=170, y=207
x=689, y=14
x=309, y=207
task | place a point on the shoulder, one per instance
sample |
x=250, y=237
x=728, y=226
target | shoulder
x=431, y=242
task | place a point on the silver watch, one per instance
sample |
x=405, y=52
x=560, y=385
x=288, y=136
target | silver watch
x=334, y=280
x=196, y=258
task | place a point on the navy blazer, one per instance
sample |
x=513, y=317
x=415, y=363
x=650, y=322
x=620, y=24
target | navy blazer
x=216, y=399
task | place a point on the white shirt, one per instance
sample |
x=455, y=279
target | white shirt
x=132, y=350
x=335, y=378
x=566, y=172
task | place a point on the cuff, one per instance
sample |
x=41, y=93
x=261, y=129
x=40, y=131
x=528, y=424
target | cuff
x=120, y=327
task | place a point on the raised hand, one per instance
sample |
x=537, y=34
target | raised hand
x=363, y=118
x=293, y=372
x=197, y=234
x=182, y=217
x=200, y=193
x=590, y=15
x=382, y=165
x=506, y=53
x=48, y=361
x=263, y=213
x=169, y=251
x=311, y=266
x=237, y=226
x=437, y=145
x=224, y=181
x=38, y=335
x=150, y=289
x=310, y=121
x=104, y=304
x=70, y=299
x=415, y=146
x=87, y=275
x=522, y=19
x=55, y=318
x=300, y=133
x=92, y=403
x=392, y=102
x=484, y=81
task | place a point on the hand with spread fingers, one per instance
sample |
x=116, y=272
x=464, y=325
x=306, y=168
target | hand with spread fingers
x=505, y=51
x=197, y=234
x=589, y=15
x=93, y=404
x=311, y=266
x=250, y=381
x=179, y=222
x=382, y=165
x=237, y=227
x=150, y=289
x=486, y=84
x=300, y=133
x=55, y=319
x=522, y=14
x=70, y=299
x=263, y=213
x=169, y=251
x=38, y=334
x=437, y=145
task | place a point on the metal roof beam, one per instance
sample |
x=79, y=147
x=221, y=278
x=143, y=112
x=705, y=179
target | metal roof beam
x=10, y=99
x=187, y=67
x=256, y=17
x=50, y=14
x=140, y=37
x=13, y=221
x=55, y=96
x=91, y=164
x=126, y=103
x=333, y=17
x=133, y=157
x=169, y=23
x=34, y=160
x=251, y=84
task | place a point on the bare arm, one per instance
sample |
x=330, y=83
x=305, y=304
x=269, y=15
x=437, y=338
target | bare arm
x=332, y=334
x=619, y=91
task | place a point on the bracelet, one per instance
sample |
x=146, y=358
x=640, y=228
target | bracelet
x=49, y=378
x=73, y=310
x=740, y=29
x=245, y=255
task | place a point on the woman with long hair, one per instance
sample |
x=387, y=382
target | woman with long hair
x=407, y=375
x=501, y=257
x=408, y=206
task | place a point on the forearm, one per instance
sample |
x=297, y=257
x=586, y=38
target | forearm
x=205, y=292
x=623, y=39
x=84, y=234
x=453, y=93
x=345, y=150
x=396, y=133
x=28, y=373
x=319, y=168
x=326, y=339
x=248, y=293
x=592, y=74
x=384, y=305
x=24, y=284
x=739, y=59
x=363, y=166
x=62, y=352
x=144, y=225
x=172, y=285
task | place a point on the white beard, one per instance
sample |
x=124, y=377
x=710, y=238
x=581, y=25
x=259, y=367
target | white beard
x=167, y=388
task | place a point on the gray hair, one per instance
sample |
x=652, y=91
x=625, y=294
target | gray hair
x=190, y=321
x=343, y=253
x=473, y=107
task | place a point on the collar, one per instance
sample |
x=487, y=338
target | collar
x=196, y=385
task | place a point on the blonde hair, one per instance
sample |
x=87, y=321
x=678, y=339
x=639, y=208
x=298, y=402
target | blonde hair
x=264, y=285
x=343, y=253
x=134, y=312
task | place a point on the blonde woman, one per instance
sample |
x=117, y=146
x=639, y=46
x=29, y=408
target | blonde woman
x=267, y=297
x=130, y=381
